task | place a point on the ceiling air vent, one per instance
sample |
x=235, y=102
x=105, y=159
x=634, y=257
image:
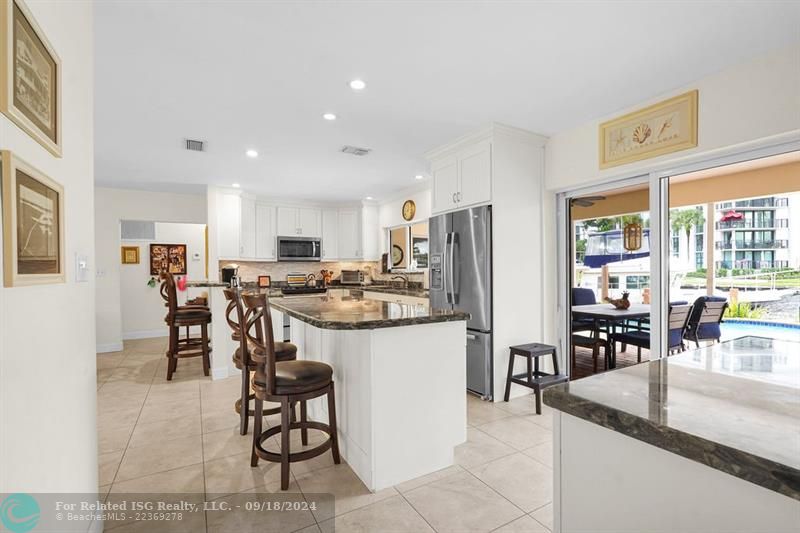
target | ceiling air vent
x=196, y=146
x=355, y=150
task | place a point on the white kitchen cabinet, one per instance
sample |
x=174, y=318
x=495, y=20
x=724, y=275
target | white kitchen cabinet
x=349, y=234
x=330, y=234
x=247, y=231
x=229, y=221
x=309, y=221
x=463, y=179
x=370, y=233
x=445, y=184
x=299, y=221
x=475, y=175
x=287, y=221
x=265, y=232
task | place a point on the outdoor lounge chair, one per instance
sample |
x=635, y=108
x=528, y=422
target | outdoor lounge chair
x=707, y=313
x=678, y=319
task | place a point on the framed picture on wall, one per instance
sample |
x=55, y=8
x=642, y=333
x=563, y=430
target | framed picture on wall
x=167, y=258
x=130, y=255
x=30, y=76
x=33, y=225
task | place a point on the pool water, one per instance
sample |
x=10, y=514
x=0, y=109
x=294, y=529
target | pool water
x=734, y=330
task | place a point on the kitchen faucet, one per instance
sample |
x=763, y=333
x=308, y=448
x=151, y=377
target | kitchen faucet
x=403, y=278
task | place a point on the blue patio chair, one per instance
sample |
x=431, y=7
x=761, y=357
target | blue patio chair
x=678, y=319
x=707, y=313
x=582, y=296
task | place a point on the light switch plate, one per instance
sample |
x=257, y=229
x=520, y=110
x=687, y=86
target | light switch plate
x=81, y=268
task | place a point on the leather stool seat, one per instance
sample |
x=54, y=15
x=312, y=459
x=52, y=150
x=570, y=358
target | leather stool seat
x=284, y=351
x=295, y=377
x=191, y=316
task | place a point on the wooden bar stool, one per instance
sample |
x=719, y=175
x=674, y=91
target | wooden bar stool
x=285, y=382
x=200, y=302
x=534, y=378
x=186, y=316
x=284, y=351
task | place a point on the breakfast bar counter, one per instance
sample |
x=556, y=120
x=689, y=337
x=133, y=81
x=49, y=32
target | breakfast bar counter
x=400, y=375
x=353, y=312
x=715, y=429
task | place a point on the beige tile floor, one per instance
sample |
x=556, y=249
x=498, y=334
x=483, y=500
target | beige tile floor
x=182, y=436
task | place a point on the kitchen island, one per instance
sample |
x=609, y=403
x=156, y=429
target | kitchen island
x=400, y=374
x=707, y=440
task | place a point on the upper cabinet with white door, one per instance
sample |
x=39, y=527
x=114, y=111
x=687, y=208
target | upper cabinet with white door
x=299, y=221
x=472, y=169
x=350, y=233
x=330, y=234
x=462, y=177
x=266, y=240
x=350, y=241
x=245, y=227
x=247, y=235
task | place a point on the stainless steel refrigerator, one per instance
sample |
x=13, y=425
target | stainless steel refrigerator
x=461, y=279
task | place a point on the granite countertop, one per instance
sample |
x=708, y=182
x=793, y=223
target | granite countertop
x=733, y=406
x=275, y=289
x=354, y=312
x=389, y=289
x=207, y=283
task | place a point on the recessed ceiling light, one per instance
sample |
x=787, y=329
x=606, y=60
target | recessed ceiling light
x=251, y=153
x=329, y=116
x=419, y=177
x=236, y=185
x=369, y=198
x=358, y=85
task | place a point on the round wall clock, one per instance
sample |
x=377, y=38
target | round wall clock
x=397, y=255
x=409, y=209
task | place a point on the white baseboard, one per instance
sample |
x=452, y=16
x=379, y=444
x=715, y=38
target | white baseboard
x=145, y=334
x=110, y=347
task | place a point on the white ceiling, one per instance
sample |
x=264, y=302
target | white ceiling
x=259, y=75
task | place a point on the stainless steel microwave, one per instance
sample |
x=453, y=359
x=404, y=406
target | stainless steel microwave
x=299, y=249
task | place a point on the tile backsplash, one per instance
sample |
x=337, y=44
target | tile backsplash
x=250, y=270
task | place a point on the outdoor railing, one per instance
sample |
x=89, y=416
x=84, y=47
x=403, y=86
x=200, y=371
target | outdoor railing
x=752, y=245
x=741, y=224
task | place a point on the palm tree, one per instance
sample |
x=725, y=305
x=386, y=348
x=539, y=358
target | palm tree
x=686, y=219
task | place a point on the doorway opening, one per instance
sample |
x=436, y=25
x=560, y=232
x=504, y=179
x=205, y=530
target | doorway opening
x=609, y=271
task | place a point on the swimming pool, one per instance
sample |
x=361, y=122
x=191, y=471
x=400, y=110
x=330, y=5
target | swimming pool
x=732, y=329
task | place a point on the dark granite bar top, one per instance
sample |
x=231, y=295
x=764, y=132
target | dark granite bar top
x=207, y=283
x=275, y=288
x=353, y=312
x=387, y=289
x=733, y=406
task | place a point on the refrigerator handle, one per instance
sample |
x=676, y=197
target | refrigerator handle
x=451, y=268
x=446, y=266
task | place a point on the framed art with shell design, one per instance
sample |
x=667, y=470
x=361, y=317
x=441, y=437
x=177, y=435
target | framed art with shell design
x=659, y=129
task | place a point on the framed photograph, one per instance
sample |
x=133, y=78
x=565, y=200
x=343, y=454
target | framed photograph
x=30, y=76
x=264, y=282
x=167, y=258
x=130, y=255
x=33, y=225
x=659, y=129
